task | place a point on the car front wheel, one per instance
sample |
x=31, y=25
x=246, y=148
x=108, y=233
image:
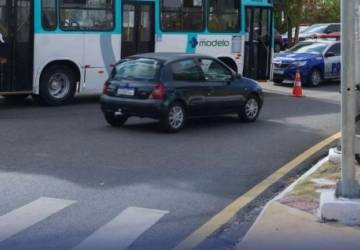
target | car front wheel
x=251, y=110
x=314, y=78
x=174, y=119
x=115, y=120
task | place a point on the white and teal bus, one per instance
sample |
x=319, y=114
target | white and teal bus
x=54, y=49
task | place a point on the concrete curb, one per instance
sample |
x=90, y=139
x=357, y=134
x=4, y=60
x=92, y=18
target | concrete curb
x=284, y=193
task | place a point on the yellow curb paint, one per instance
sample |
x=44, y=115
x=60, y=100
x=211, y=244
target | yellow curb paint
x=231, y=210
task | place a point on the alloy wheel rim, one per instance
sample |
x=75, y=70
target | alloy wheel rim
x=59, y=85
x=251, y=108
x=176, y=117
x=315, y=78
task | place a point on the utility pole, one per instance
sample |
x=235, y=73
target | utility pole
x=349, y=187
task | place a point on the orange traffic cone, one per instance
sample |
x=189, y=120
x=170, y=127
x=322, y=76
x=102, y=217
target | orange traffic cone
x=297, y=89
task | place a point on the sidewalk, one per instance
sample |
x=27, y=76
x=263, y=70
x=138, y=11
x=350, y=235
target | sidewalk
x=290, y=222
x=327, y=91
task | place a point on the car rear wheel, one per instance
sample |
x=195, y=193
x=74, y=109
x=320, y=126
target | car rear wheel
x=115, y=120
x=174, y=119
x=314, y=78
x=251, y=109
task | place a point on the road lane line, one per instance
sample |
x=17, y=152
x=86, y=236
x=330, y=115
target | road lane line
x=232, y=209
x=30, y=214
x=122, y=231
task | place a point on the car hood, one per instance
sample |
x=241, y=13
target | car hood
x=291, y=57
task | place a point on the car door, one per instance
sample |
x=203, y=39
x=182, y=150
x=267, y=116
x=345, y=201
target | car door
x=188, y=81
x=332, y=61
x=224, y=94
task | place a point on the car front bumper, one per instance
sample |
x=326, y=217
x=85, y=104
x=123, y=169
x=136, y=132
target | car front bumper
x=290, y=73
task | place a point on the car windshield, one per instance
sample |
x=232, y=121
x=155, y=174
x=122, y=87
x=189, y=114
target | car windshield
x=318, y=28
x=309, y=47
x=139, y=69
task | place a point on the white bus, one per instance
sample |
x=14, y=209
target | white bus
x=54, y=49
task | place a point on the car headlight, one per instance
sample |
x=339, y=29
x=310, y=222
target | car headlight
x=299, y=63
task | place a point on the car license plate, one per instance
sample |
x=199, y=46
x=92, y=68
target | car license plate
x=126, y=91
x=279, y=71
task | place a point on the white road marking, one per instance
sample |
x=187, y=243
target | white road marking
x=30, y=214
x=123, y=230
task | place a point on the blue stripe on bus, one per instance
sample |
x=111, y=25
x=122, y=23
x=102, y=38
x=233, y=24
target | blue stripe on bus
x=192, y=43
x=107, y=52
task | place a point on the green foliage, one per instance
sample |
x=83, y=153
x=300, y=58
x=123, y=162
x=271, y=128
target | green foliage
x=305, y=12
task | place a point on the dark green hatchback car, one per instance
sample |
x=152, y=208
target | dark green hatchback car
x=173, y=87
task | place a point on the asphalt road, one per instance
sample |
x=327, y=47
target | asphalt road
x=97, y=172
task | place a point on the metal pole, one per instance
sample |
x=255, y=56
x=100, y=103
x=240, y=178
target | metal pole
x=348, y=188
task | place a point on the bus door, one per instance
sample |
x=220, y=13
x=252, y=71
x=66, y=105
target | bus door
x=258, y=43
x=16, y=45
x=138, y=28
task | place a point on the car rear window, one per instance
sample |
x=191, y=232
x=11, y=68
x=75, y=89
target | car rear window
x=139, y=69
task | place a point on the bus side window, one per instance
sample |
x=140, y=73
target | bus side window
x=182, y=15
x=223, y=16
x=49, y=14
x=87, y=15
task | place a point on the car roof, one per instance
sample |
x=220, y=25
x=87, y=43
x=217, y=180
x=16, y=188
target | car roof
x=168, y=56
x=320, y=24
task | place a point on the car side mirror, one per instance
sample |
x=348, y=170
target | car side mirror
x=330, y=54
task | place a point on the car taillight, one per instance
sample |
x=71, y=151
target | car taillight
x=158, y=92
x=105, y=88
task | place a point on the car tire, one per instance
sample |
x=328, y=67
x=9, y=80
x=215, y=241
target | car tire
x=278, y=81
x=357, y=126
x=115, y=120
x=250, y=111
x=174, y=118
x=57, y=86
x=314, y=78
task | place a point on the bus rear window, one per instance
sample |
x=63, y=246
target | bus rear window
x=182, y=15
x=224, y=16
x=140, y=69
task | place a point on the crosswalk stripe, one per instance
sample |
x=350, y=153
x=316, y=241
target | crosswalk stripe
x=123, y=230
x=30, y=214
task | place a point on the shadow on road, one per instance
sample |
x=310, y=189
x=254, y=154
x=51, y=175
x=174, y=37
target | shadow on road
x=30, y=103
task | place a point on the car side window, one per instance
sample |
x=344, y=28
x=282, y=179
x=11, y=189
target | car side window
x=186, y=70
x=333, y=28
x=214, y=71
x=336, y=49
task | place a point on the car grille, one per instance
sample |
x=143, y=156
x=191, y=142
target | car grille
x=282, y=65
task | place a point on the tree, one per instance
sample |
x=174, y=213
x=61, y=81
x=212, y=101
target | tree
x=297, y=12
x=289, y=11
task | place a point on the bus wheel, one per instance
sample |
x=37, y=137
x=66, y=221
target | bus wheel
x=57, y=86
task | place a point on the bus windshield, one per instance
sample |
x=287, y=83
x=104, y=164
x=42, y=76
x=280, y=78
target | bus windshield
x=139, y=69
x=309, y=47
